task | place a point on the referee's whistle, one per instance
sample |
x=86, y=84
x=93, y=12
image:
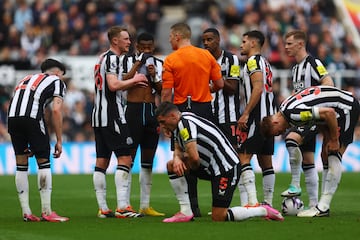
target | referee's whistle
x=188, y=102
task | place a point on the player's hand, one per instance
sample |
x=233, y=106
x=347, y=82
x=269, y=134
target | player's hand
x=28, y=152
x=58, y=150
x=242, y=122
x=166, y=132
x=151, y=70
x=142, y=57
x=179, y=167
x=140, y=80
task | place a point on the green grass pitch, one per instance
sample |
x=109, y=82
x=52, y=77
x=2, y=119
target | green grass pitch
x=73, y=196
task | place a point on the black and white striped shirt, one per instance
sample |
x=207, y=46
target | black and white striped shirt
x=309, y=72
x=302, y=108
x=128, y=61
x=266, y=106
x=226, y=108
x=33, y=93
x=216, y=153
x=108, y=110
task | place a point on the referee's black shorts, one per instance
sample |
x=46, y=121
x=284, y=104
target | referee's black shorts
x=202, y=109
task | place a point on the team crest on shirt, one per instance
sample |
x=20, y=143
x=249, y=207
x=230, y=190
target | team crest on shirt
x=252, y=65
x=305, y=116
x=235, y=71
x=322, y=70
x=129, y=141
x=184, y=133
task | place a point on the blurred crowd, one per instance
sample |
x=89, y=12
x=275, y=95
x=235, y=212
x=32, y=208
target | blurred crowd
x=32, y=30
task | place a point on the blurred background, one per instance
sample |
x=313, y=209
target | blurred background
x=74, y=31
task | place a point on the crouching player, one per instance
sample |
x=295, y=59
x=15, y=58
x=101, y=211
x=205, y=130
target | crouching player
x=202, y=149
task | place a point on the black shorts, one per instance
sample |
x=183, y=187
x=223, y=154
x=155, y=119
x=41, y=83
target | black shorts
x=107, y=140
x=29, y=133
x=222, y=186
x=229, y=129
x=202, y=109
x=348, y=123
x=309, y=137
x=143, y=126
x=252, y=141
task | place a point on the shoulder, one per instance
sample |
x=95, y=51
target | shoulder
x=233, y=59
x=127, y=56
x=51, y=78
x=171, y=57
x=228, y=54
x=198, y=50
x=158, y=59
x=253, y=62
x=314, y=61
x=317, y=65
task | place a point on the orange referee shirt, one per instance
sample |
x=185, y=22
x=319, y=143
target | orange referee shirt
x=188, y=71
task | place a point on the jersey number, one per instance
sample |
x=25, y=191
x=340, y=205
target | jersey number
x=98, y=77
x=308, y=91
x=24, y=82
x=240, y=136
x=268, y=85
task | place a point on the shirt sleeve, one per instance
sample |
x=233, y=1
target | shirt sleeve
x=167, y=74
x=215, y=70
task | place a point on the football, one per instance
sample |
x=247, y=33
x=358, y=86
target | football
x=290, y=206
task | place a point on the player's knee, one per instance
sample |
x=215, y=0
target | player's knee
x=43, y=163
x=308, y=158
x=294, y=136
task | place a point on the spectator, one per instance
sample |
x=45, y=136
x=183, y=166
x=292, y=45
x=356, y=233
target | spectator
x=85, y=45
x=60, y=23
x=153, y=15
x=30, y=41
x=62, y=37
x=139, y=15
x=4, y=28
x=37, y=8
x=23, y=15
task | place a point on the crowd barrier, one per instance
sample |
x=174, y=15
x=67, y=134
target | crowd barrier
x=79, y=158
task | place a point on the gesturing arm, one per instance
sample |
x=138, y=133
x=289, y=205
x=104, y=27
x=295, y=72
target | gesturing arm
x=115, y=84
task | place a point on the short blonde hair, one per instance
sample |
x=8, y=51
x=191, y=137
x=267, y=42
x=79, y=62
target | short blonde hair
x=183, y=29
x=114, y=31
x=298, y=35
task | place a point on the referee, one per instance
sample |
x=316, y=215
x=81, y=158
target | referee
x=186, y=81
